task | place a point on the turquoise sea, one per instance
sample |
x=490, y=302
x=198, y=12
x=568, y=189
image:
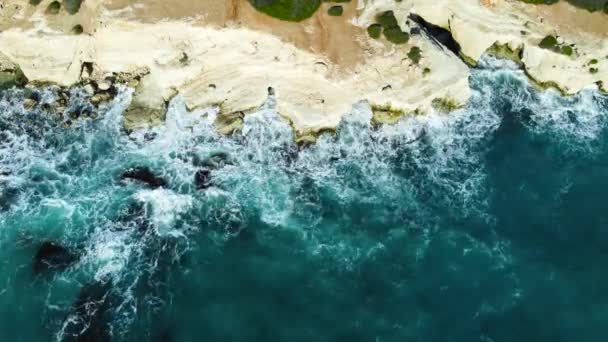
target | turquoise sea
x=486, y=224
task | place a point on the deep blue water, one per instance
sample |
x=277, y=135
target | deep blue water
x=486, y=224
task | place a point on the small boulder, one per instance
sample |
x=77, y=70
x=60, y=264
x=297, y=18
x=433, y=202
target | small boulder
x=144, y=175
x=215, y=161
x=89, y=89
x=104, y=85
x=99, y=98
x=10, y=74
x=202, y=179
x=51, y=255
x=29, y=104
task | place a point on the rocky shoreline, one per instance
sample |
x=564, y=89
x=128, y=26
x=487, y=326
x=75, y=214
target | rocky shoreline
x=230, y=55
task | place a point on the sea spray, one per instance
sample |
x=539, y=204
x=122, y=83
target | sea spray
x=442, y=226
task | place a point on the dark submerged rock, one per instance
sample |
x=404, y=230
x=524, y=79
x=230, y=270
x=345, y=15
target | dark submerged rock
x=164, y=336
x=202, y=179
x=7, y=196
x=51, y=255
x=144, y=175
x=88, y=321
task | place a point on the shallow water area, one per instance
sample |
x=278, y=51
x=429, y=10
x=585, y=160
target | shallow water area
x=487, y=223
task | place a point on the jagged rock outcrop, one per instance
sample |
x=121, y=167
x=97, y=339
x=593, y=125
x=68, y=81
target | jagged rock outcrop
x=481, y=25
x=10, y=74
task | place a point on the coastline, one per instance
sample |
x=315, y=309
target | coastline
x=234, y=56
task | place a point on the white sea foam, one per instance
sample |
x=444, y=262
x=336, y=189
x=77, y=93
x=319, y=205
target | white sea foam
x=164, y=208
x=400, y=171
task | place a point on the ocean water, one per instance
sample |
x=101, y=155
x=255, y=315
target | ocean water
x=487, y=224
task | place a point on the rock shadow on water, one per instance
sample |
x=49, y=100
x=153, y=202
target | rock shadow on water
x=88, y=319
x=202, y=179
x=53, y=256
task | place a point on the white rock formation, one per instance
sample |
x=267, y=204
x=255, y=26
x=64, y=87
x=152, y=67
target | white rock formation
x=234, y=63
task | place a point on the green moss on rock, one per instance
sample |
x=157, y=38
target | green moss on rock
x=12, y=78
x=445, y=104
x=506, y=52
x=386, y=115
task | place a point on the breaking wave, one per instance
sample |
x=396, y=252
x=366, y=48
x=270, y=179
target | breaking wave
x=440, y=226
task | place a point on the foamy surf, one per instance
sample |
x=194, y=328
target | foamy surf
x=414, y=226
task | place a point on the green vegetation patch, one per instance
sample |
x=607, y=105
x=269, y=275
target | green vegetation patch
x=550, y=43
x=77, y=29
x=288, y=10
x=374, y=30
x=415, y=54
x=335, y=11
x=387, y=20
x=591, y=5
x=387, y=24
x=35, y=2
x=396, y=36
x=566, y=50
x=12, y=78
x=540, y=2
x=72, y=6
x=53, y=8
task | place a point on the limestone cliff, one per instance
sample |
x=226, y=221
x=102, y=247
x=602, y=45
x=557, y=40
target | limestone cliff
x=227, y=53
